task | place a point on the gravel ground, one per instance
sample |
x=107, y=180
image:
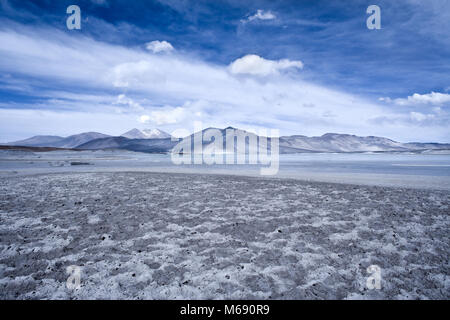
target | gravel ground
x=185, y=236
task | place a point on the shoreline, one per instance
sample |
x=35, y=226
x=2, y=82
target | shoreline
x=391, y=170
x=418, y=182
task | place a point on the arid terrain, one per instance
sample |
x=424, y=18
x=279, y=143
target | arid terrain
x=191, y=236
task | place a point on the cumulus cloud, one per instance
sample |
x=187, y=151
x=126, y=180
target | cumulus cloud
x=260, y=15
x=165, y=116
x=159, y=46
x=185, y=87
x=433, y=98
x=255, y=65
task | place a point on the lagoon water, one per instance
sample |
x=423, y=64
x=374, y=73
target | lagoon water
x=408, y=164
x=406, y=170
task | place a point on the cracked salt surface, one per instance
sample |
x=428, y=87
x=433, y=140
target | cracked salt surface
x=184, y=236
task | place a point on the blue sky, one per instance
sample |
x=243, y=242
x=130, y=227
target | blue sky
x=303, y=67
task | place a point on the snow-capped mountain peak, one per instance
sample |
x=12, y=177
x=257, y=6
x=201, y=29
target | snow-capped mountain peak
x=146, y=134
x=156, y=134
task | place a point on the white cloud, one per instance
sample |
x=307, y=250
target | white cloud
x=165, y=116
x=433, y=98
x=144, y=118
x=187, y=87
x=260, y=15
x=417, y=116
x=255, y=65
x=159, y=46
x=124, y=100
x=385, y=99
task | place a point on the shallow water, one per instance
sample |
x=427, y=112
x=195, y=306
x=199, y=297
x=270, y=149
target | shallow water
x=408, y=164
x=406, y=170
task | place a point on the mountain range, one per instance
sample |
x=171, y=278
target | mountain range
x=155, y=140
x=59, y=142
x=146, y=134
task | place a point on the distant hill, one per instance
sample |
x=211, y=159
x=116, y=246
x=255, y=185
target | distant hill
x=428, y=145
x=139, y=145
x=77, y=139
x=104, y=143
x=159, y=141
x=186, y=145
x=59, y=142
x=329, y=142
x=334, y=142
x=37, y=141
x=146, y=134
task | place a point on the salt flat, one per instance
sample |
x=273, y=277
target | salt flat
x=147, y=235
